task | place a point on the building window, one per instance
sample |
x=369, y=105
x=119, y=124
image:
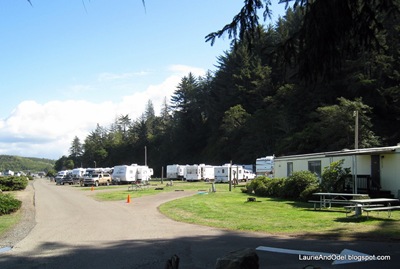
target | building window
x=315, y=167
x=289, y=169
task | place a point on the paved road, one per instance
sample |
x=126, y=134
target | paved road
x=75, y=231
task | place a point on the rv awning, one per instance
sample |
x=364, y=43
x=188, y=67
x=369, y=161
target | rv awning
x=367, y=151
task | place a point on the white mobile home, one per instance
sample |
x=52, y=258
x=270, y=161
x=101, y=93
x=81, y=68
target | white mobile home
x=377, y=169
x=265, y=166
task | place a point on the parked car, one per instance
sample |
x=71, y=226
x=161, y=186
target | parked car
x=97, y=179
x=58, y=179
x=70, y=179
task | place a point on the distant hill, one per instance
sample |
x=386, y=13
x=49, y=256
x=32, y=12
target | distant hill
x=25, y=164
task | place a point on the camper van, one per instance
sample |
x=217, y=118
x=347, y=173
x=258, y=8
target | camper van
x=228, y=172
x=176, y=171
x=197, y=172
x=265, y=166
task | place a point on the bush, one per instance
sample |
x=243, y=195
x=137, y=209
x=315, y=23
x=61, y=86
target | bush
x=300, y=185
x=8, y=204
x=13, y=183
x=334, y=177
x=256, y=184
x=298, y=182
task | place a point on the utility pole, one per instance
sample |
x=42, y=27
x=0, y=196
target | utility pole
x=355, y=114
x=230, y=176
x=145, y=155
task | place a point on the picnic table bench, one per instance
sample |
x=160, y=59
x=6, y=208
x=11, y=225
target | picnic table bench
x=350, y=208
x=375, y=204
x=384, y=208
x=327, y=201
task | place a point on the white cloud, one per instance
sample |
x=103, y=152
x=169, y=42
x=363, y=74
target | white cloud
x=113, y=76
x=46, y=130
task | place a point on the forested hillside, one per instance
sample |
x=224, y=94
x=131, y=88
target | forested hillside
x=263, y=99
x=25, y=164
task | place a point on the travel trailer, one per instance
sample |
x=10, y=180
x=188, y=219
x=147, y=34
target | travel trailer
x=78, y=172
x=228, y=172
x=131, y=173
x=265, y=166
x=197, y=172
x=144, y=173
x=176, y=171
x=124, y=173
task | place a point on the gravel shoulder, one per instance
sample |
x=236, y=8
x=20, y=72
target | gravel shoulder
x=27, y=221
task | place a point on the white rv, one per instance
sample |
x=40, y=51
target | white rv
x=124, y=173
x=131, y=173
x=265, y=166
x=144, y=173
x=176, y=171
x=227, y=172
x=78, y=172
x=198, y=172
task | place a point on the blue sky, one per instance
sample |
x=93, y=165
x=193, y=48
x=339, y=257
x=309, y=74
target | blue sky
x=70, y=64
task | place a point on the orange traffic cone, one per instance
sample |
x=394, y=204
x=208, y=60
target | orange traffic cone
x=128, y=199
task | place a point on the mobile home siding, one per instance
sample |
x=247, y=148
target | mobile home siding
x=388, y=157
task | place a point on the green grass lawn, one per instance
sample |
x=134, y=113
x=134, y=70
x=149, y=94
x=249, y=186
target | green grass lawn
x=231, y=210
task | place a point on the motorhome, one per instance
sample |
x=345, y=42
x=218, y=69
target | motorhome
x=228, y=172
x=197, y=172
x=176, y=171
x=265, y=166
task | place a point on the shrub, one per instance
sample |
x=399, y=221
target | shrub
x=255, y=184
x=13, y=183
x=299, y=182
x=8, y=204
x=334, y=177
x=276, y=187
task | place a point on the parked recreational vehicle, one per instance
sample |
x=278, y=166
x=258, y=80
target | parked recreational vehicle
x=124, y=173
x=78, y=172
x=265, y=166
x=144, y=173
x=228, y=172
x=131, y=173
x=176, y=171
x=198, y=172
